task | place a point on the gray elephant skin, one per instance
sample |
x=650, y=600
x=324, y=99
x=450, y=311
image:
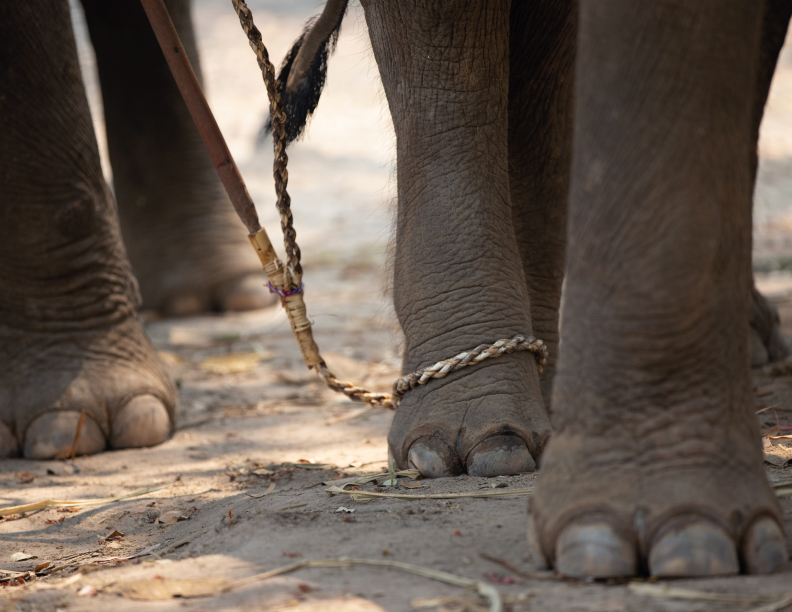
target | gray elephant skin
x=610, y=145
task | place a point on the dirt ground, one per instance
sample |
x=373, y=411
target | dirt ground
x=259, y=440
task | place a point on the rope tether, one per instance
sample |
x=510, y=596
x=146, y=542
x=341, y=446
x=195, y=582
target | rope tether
x=287, y=282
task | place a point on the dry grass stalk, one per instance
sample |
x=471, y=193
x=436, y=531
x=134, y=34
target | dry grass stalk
x=771, y=603
x=515, y=570
x=267, y=492
x=783, y=489
x=364, y=480
x=56, y=503
x=358, y=495
x=487, y=591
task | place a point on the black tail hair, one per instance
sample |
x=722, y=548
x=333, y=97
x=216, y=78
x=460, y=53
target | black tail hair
x=300, y=106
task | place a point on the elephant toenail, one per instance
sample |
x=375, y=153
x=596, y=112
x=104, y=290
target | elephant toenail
x=764, y=547
x=53, y=433
x=693, y=548
x=433, y=458
x=143, y=421
x=8, y=443
x=499, y=456
x=595, y=550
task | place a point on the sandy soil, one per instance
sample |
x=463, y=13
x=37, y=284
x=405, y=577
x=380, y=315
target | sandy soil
x=240, y=510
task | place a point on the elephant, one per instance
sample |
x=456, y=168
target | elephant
x=611, y=146
x=604, y=144
x=69, y=334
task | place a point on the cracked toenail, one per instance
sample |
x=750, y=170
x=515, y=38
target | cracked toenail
x=52, y=435
x=8, y=443
x=693, y=548
x=594, y=550
x=143, y=421
x=764, y=548
x=499, y=456
x=433, y=458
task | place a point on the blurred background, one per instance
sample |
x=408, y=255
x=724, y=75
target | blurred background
x=341, y=175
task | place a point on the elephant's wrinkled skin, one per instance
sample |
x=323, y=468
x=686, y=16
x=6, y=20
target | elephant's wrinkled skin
x=655, y=463
x=69, y=335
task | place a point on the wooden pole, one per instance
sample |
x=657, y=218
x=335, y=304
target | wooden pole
x=202, y=115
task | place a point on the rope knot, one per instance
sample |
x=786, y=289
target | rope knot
x=284, y=294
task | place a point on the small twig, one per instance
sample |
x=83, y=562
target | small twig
x=267, y=492
x=532, y=575
x=292, y=507
x=358, y=495
x=77, y=434
x=485, y=590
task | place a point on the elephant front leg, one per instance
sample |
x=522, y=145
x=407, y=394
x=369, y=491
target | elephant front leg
x=656, y=464
x=186, y=245
x=458, y=279
x=70, y=342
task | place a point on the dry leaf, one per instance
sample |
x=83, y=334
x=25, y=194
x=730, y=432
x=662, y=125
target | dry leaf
x=170, y=517
x=41, y=566
x=233, y=362
x=777, y=450
x=115, y=534
x=411, y=485
x=20, y=556
x=166, y=588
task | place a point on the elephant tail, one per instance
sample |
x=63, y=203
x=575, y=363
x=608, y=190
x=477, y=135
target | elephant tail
x=304, y=69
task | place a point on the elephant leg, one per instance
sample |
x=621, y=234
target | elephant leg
x=541, y=79
x=767, y=344
x=458, y=280
x=69, y=337
x=656, y=465
x=186, y=245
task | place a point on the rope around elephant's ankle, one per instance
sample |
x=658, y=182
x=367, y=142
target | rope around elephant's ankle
x=468, y=358
x=438, y=370
x=289, y=286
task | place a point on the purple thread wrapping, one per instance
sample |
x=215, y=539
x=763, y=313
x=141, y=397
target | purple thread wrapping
x=284, y=294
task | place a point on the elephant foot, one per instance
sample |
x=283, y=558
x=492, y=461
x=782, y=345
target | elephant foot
x=247, y=292
x=601, y=511
x=766, y=342
x=111, y=376
x=486, y=421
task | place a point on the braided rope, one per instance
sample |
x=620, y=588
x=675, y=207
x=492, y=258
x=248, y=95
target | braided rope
x=292, y=281
x=472, y=357
x=278, y=119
